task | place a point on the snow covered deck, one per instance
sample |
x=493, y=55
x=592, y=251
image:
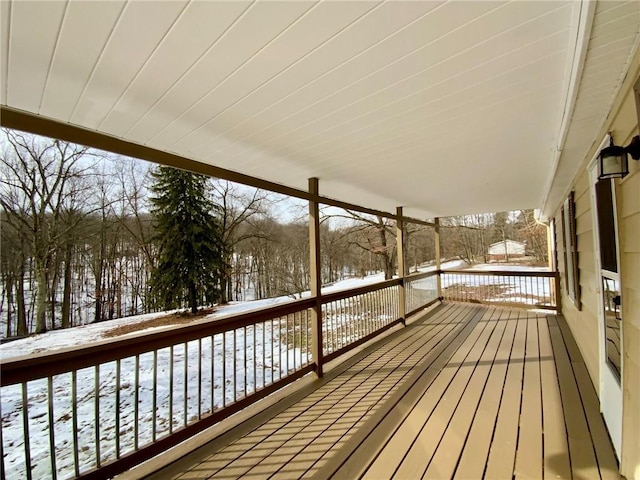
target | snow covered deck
x=463, y=392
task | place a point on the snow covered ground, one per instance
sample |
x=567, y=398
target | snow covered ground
x=171, y=387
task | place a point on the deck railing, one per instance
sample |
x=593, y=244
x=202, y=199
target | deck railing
x=95, y=411
x=514, y=289
x=351, y=317
x=421, y=289
x=100, y=409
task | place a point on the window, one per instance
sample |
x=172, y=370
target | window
x=570, y=251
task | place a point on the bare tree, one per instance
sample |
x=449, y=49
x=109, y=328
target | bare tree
x=41, y=178
x=374, y=235
x=238, y=206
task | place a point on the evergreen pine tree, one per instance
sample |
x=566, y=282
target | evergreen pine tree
x=189, y=237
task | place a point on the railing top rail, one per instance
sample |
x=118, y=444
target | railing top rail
x=26, y=368
x=334, y=296
x=504, y=273
x=420, y=275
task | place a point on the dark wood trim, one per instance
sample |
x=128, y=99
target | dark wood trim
x=402, y=299
x=342, y=294
x=32, y=367
x=499, y=273
x=39, y=125
x=357, y=343
x=134, y=458
x=420, y=276
x=315, y=278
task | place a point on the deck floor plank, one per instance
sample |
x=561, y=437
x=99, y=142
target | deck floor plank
x=529, y=457
x=390, y=457
x=476, y=450
x=369, y=441
x=470, y=392
x=557, y=463
x=502, y=453
x=445, y=459
x=581, y=450
x=443, y=404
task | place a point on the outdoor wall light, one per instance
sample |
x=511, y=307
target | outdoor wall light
x=613, y=161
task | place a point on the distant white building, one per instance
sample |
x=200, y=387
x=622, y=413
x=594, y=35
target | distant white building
x=506, y=249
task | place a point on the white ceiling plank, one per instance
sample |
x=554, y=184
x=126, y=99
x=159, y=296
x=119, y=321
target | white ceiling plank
x=385, y=102
x=308, y=33
x=386, y=105
x=196, y=31
x=442, y=74
x=413, y=57
x=258, y=26
x=379, y=23
x=123, y=57
x=34, y=32
x=86, y=28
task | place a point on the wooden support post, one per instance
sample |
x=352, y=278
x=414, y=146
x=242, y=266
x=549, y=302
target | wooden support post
x=315, y=274
x=401, y=270
x=437, y=255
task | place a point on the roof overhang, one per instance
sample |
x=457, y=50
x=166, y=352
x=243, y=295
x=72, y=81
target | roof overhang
x=443, y=108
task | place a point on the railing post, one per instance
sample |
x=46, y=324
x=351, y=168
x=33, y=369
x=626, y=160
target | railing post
x=557, y=292
x=402, y=308
x=315, y=274
x=437, y=255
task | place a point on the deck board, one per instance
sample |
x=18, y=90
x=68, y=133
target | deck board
x=469, y=392
x=445, y=460
x=502, y=452
x=556, y=453
x=529, y=457
x=397, y=458
x=476, y=450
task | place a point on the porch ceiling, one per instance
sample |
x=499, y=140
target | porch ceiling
x=441, y=107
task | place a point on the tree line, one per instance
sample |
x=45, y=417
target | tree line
x=81, y=239
x=88, y=236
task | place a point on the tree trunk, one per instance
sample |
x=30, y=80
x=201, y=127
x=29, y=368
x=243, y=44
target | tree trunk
x=41, y=296
x=193, y=297
x=21, y=308
x=66, y=292
x=8, y=281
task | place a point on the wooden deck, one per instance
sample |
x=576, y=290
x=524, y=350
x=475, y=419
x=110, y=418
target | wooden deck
x=466, y=392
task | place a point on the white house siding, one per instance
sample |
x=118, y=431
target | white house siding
x=623, y=124
x=512, y=248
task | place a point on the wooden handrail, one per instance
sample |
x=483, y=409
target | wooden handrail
x=41, y=365
x=504, y=273
x=342, y=294
x=420, y=275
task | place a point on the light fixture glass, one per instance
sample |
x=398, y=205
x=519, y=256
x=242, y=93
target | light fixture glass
x=613, y=162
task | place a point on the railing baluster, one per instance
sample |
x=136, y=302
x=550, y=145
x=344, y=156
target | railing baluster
x=213, y=373
x=273, y=360
x=74, y=420
x=96, y=389
x=25, y=429
x=264, y=354
x=235, y=366
x=52, y=440
x=185, y=384
x=199, y=379
x=117, y=412
x=245, y=360
x=136, y=396
x=154, y=397
x=171, y=390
